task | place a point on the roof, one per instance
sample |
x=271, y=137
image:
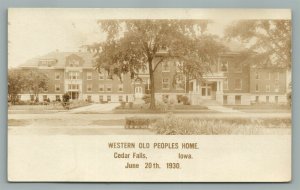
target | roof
x=60, y=58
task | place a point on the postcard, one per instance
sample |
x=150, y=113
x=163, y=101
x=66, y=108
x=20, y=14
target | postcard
x=149, y=95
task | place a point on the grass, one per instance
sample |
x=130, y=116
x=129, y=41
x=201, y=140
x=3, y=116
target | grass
x=107, y=122
x=172, y=125
x=51, y=106
x=177, y=108
x=19, y=122
x=37, y=107
x=260, y=107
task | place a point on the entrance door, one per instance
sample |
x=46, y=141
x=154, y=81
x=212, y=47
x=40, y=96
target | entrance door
x=225, y=101
x=138, y=91
x=206, y=91
x=74, y=95
x=238, y=100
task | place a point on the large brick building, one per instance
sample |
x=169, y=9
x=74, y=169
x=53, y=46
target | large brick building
x=230, y=82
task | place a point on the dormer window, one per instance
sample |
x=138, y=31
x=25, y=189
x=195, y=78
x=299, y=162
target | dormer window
x=47, y=62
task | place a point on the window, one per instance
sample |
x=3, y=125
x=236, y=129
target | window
x=225, y=84
x=276, y=99
x=57, y=98
x=57, y=76
x=165, y=67
x=276, y=88
x=108, y=88
x=45, y=98
x=57, y=88
x=179, y=82
x=238, y=99
x=225, y=99
x=89, y=98
x=73, y=75
x=31, y=97
x=101, y=87
x=108, y=76
x=179, y=66
x=256, y=88
x=268, y=88
x=100, y=98
x=267, y=99
x=203, y=91
x=73, y=63
x=165, y=83
x=101, y=76
x=120, y=98
x=256, y=99
x=89, y=88
x=89, y=75
x=120, y=88
x=73, y=86
x=238, y=67
x=224, y=66
x=108, y=98
x=238, y=84
x=256, y=75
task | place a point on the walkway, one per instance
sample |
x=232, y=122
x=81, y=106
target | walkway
x=223, y=109
x=96, y=108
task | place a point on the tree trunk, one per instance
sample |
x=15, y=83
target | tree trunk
x=152, y=89
x=187, y=83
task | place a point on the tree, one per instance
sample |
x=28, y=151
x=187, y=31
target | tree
x=16, y=83
x=203, y=53
x=37, y=82
x=133, y=45
x=268, y=38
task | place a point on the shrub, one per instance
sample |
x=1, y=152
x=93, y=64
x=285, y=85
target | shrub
x=138, y=122
x=161, y=106
x=130, y=105
x=172, y=125
x=147, y=98
x=123, y=104
x=185, y=100
x=66, y=97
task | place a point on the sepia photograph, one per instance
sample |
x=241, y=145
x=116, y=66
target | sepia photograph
x=148, y=79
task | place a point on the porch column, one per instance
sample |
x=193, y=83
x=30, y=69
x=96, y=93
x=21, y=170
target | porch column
x=195, y=86
x=218, y=86
x=221, y=86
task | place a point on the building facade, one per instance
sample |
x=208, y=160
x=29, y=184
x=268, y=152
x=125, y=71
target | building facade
x=229, y=82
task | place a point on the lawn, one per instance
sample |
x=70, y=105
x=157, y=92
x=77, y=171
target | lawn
x=177, y=108
x=18, y=122
x=37, y=107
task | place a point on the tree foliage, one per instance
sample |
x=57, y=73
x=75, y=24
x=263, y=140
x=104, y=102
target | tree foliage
x=135, y=45
x=37, y=82
x=16, y=83
x=268, y=38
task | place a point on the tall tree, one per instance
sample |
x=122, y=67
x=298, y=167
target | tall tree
x=268, y=38
x=133, y=45
x=16, y=83
x=37, y=82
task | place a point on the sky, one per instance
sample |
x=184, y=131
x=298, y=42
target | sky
x=34, y=33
